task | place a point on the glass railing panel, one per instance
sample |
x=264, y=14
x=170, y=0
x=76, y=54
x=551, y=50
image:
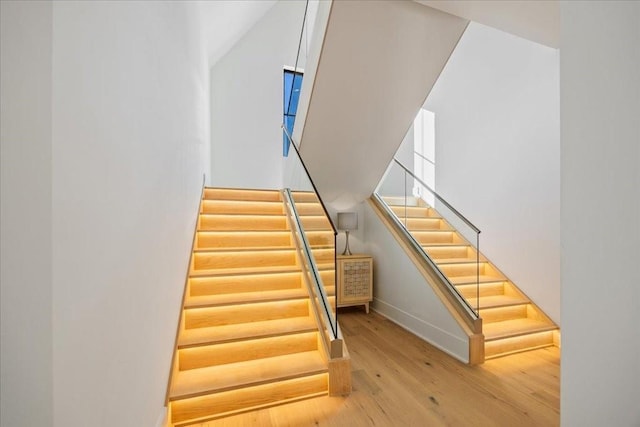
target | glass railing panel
x=317, y=235
x=438, y=232
x=395, y=190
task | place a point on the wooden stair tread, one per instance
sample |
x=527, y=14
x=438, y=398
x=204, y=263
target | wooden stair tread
x=245, y=202
x=197, y=382
x=424, y=217
x=242, y=207
x=189, y=412
x=305, y=196
x=515, y=327
x=244, y=271
x=237, y=194
x=245, y=249
x=424, y=231
x=242, y=215
x=254, y=270
x=241, y=232
x=465, y=280
x=401, y=201
x=219, y=249
x=443, y=244
x=449, y=261
x=414, y=212
x=325, y=266
x=244, y=222
x=458, y=260
x=231, y=249
x=244, y=297
x=237, y=332
x=494, y=301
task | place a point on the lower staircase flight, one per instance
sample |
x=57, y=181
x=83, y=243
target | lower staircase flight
x=511, y=322
x=248, y=337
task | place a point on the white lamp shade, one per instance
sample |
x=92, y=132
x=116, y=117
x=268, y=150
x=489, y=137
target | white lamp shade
x=347, y=221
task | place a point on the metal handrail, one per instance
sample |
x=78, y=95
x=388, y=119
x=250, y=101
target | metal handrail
x=444, y=202
x=295, y=68
x=313, y=185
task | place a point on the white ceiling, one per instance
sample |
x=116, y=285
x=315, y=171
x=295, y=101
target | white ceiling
x=226, y=21
x=538, y=21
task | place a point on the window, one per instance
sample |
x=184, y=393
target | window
x=424, y=158
x=292, y=85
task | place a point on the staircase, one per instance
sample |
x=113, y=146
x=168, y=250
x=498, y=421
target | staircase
x=510, y=321
x=248, y=337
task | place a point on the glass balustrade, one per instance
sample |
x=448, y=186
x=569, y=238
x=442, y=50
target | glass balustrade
x=440, y=234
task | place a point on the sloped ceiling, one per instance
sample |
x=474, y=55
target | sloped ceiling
x=538, y=21
x=377, y=65
x=226, y=21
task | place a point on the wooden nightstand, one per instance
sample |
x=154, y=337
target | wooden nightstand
x=355, y=280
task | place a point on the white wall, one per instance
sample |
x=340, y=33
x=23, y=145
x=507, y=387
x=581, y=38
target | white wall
x=130, y=96
x=26, y=373
x=401, y=293
x=246, y=101
x=496, y=108
x=226, y=21
x=104, y=125
x=600, y=98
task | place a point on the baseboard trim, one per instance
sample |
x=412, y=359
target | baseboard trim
x=425, y=330
x=162, y=418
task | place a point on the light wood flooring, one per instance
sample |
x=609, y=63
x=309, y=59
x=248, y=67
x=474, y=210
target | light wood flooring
x=400, y=380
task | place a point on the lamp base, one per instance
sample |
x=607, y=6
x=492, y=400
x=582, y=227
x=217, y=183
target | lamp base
x=347, y=251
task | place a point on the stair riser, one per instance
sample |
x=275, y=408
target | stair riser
x=240, y=284
x=228, y=315
x=309, y=208
x=417, y=224
x=234, y=194
x=248, y=398
x=524, y=342
x=211, y=261
x=490, y=315
x=328, y=277
x=305, y=197
x=486, y=290
x=435, y=237
x=450, y=253
x=242, y=207
x=320, y=238
x=260, y=239
x=323, y=256
x=311, y=223
x=467, y=269
x=220, y=354
x=413, y=212
x=241, y=223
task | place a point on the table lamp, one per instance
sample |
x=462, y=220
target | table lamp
x=347, y=221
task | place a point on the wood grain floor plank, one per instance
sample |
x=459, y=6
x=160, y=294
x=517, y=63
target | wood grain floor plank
x=400, y=380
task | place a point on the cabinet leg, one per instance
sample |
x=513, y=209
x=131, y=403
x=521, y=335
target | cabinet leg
x=366, y=307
